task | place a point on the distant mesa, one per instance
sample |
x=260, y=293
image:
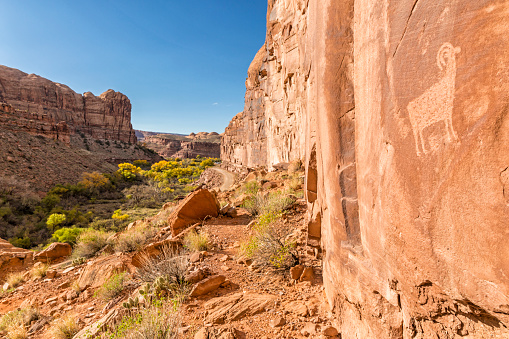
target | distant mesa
x=171, y=145
x=39, y=106
x=47, y=128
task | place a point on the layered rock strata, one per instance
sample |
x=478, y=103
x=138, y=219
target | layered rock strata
x=36, y=105
x=402, y=124
x=271, y=127
x=176, y=146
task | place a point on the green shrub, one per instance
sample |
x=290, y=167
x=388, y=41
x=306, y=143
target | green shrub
x=268, y=245
x=194, y=241
x=90, y=242
x=119, y=216
x=252, y=187
x=54, y=220
x=67, y=234
x=112, y=287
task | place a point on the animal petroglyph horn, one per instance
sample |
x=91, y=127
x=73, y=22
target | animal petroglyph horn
x=436, y=103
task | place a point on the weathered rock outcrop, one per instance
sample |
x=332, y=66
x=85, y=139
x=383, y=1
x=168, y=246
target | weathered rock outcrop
x=33, y=104
x=13, y=259
x=180, y=146
x=402, y=123
x=271, y=128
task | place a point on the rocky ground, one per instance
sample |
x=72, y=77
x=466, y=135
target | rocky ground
x=235, y=297
x=25, y=157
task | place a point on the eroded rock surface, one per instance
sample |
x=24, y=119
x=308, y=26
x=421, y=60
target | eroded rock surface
x=13, y=259
x=398, y=109
x=33, y=104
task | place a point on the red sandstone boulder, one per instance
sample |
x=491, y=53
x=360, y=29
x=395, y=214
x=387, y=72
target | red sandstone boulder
x=13, y=259
x=55, y=252
x=208, y=285
x=194, y=208
x=100, y=270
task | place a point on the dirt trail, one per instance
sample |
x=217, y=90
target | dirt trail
x=228, y=178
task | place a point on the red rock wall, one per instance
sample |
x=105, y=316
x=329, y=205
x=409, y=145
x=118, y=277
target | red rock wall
x=54, y=110
x=170, y=148
x=404, y=131
x=271, y=128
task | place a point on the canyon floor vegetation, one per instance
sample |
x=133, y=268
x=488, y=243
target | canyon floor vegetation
x=100, y=201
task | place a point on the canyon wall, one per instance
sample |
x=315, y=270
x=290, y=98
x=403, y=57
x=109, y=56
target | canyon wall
x=184, y=146
x=41, y=107
x=271, y=128
x=402, y=124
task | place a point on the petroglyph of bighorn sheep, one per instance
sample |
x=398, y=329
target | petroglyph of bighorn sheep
x=436, y=103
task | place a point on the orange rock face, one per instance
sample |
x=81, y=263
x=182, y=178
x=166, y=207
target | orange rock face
x=42, y=107
x=194, y=208
x=13, y=259
x=403, y=128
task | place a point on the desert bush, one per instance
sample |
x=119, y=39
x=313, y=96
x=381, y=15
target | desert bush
x=112, y=287
x=15, y=322
x=65, y=327
x=119, y=216
x=15, y=279
x=274, y=202
x=295, y=184
x=39, y=270
x=134, y=239
x=268, y=245
x=195, y=241
x=90, y=242
x=170, y=264
x=252, y=187
x=67, y=234
x=158, y=321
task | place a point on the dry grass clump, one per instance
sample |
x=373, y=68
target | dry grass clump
x=15, y=323
x=160, y=321
x=17, y=331
x=90, y=242
x=195, y=241
x=170, y=264
x=39, y=270
x=65, y=327
x=274, y=202
x=295, y=184
x=157, y=323
x=112, y=287
x=134, y=239
x=15, y=279
x=75, y=286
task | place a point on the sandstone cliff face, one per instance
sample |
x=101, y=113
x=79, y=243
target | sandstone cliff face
x=404, y=131
x=42, y=107
x=179, y=146
x=271, y=128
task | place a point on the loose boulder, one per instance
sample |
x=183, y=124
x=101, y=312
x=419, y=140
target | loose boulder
x=207, y=285
x=100, y=271
x=54, y=253
x=194, y=208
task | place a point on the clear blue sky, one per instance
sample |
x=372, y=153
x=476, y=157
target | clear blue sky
x=181, y=63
